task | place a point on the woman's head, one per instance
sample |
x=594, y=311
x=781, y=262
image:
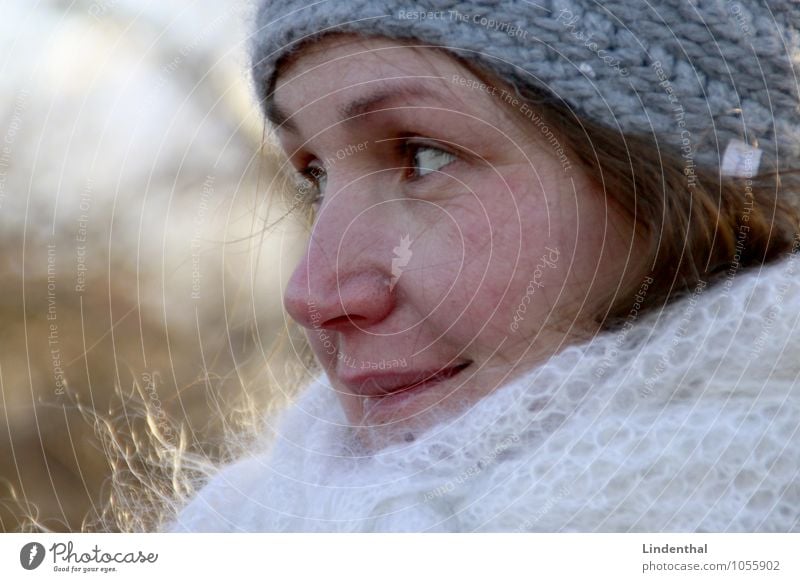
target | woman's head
x=473, y=228
x=450, y=235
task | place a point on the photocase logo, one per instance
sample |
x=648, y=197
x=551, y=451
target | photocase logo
x=31, y=555
x=402, y=254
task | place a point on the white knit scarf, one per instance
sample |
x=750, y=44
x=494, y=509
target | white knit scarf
x=686, y=419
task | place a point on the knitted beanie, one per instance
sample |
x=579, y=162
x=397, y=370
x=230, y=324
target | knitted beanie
x=715, y=81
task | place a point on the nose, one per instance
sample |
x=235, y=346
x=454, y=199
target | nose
x=340, y=290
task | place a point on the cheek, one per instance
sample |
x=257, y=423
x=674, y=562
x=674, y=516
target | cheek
x=533, y=250
x=519, y=244
x=534, y=241
x=477, y=264
x=576, y=246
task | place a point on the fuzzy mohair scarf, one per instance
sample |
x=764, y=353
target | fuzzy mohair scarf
x=685, y=419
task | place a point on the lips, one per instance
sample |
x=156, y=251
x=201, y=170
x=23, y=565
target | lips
x=389, y=383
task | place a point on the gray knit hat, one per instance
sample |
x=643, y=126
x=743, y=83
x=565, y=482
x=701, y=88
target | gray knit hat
x=711, y=78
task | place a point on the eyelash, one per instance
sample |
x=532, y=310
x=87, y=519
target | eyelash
x=409, y=149
x=307, y=174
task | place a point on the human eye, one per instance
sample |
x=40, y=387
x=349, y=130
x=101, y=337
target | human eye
x=425, y=159
x=311, y=182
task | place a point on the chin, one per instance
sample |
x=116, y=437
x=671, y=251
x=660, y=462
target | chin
x=401, y=417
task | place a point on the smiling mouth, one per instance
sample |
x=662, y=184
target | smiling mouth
x=382, y=385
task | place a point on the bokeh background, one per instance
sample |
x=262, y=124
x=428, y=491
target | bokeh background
x=142, y=261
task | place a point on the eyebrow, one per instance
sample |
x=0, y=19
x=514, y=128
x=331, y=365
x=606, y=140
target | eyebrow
x=361, y=106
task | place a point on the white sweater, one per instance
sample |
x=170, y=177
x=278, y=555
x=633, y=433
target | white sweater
x=686, y=419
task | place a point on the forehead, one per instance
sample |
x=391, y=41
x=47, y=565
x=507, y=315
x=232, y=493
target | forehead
x=356, y=56
x=347, y=71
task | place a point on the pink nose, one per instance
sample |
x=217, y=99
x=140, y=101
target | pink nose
x=349, y=293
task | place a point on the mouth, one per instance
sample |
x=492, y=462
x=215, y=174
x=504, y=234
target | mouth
x=389, y=384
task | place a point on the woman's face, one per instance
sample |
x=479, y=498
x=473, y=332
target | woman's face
x=454, y=244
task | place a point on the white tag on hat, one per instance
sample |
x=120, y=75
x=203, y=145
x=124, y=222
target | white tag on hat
x=740, y=159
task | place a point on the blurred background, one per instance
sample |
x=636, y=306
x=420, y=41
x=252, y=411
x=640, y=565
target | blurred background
x=142, y=258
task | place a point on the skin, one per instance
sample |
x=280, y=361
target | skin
x=496, y=228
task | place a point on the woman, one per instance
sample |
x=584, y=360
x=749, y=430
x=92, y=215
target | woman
x=551, y=282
